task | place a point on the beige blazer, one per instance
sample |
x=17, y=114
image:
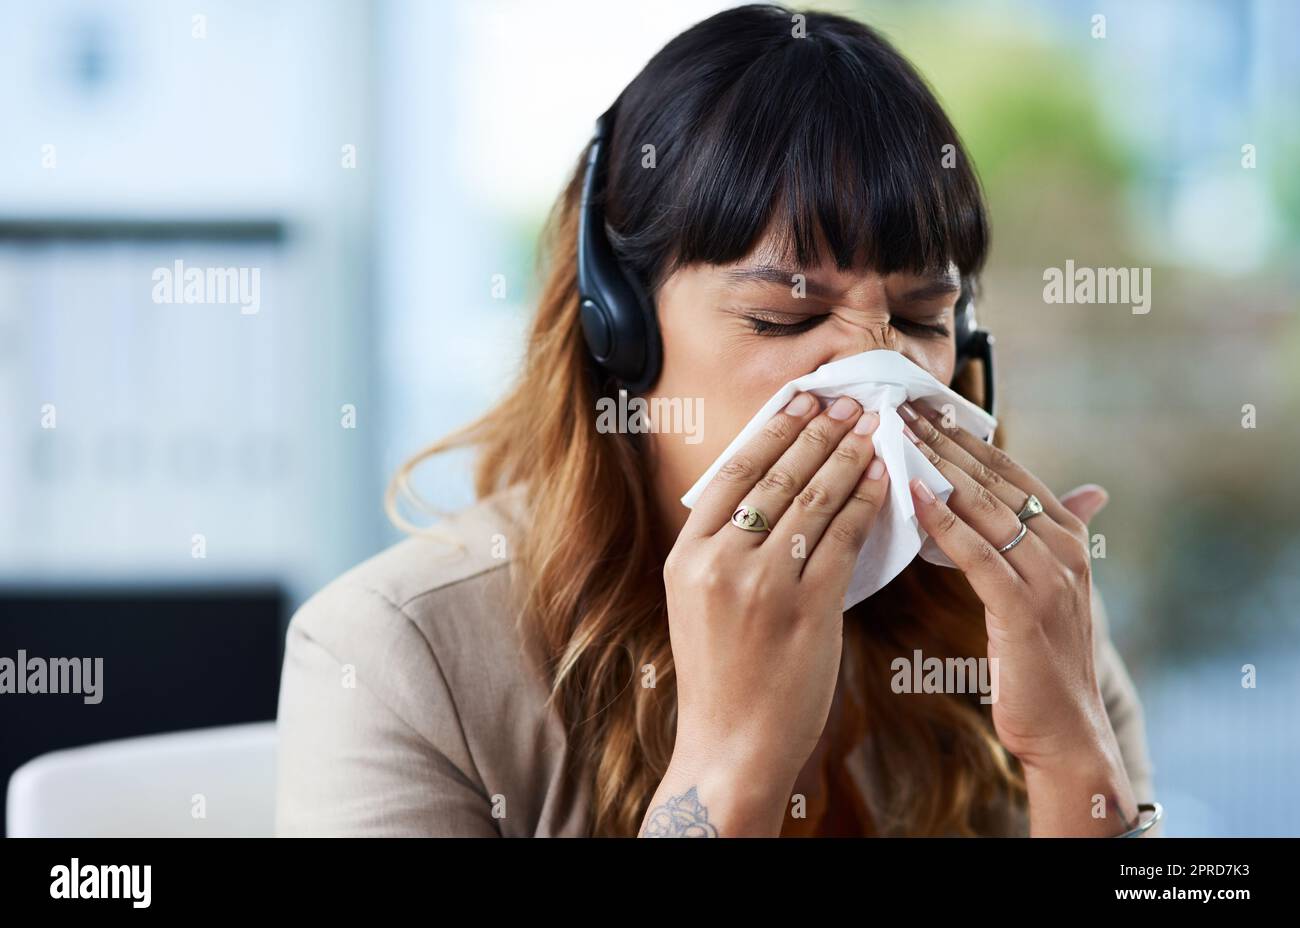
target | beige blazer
x=409, y=707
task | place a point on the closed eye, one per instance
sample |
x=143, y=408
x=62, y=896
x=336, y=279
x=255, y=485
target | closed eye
x=910, y=326
x=934, y=329
x=767, y=327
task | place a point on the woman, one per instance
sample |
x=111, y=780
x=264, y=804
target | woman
x=587, y=656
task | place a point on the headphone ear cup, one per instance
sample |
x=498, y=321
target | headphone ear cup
x=982, y=351
x=618, y=336
x=596, y=331
x=973, y=343
x=964, y=324
x=647, y=350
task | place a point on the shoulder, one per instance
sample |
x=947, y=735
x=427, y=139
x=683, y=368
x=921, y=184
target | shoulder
x=428, y=622
x=408, y=700
x=462, y=548
x=459, y=567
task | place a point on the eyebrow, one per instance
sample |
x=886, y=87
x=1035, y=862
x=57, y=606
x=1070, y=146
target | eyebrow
x=782, y=276
x=937, y=284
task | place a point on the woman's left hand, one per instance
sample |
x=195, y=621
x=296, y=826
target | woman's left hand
x=1037, y=594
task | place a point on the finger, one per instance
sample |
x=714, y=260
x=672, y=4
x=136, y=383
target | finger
x=1058, y=539
x=1085, y=501
x=795, y=470
x=989, y=573
x=834, y=485
x=833, y=558
x=988, y=515
x=947, y=448
x=1001, y=463
x=743, y=469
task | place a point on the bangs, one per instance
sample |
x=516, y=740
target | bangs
x=830, y=137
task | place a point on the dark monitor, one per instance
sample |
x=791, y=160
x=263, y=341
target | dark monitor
x=172, y=659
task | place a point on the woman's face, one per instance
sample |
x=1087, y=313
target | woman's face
x=735, y=334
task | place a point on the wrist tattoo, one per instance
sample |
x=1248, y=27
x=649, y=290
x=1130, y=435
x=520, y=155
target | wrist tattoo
x=680, y=817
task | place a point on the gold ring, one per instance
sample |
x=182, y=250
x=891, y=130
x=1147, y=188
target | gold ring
x=750, y=519
x=1031, y=508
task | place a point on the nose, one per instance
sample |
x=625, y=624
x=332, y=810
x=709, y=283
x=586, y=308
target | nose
x=875, y=336
x=870, y=336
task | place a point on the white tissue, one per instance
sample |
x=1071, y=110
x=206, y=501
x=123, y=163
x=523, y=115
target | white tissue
x=879, y=379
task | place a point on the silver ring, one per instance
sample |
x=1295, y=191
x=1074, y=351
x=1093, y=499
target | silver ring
x=1024, y=529
x=1031, y=508
x=750, y=519
x=1157, y=811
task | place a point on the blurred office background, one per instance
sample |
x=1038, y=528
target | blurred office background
x=387, y=166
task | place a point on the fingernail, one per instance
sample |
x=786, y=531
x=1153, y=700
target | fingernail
x=867, y=424
x=908, y=411
x=1095, y=488
x=800, y=405
x=875, y=469
x=842, y=408
x=912, y=435
x=922, y=491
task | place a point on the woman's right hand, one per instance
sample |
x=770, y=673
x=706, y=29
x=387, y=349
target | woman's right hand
x=756, y=618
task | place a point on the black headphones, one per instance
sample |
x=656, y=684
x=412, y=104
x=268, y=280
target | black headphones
x=618, y=318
